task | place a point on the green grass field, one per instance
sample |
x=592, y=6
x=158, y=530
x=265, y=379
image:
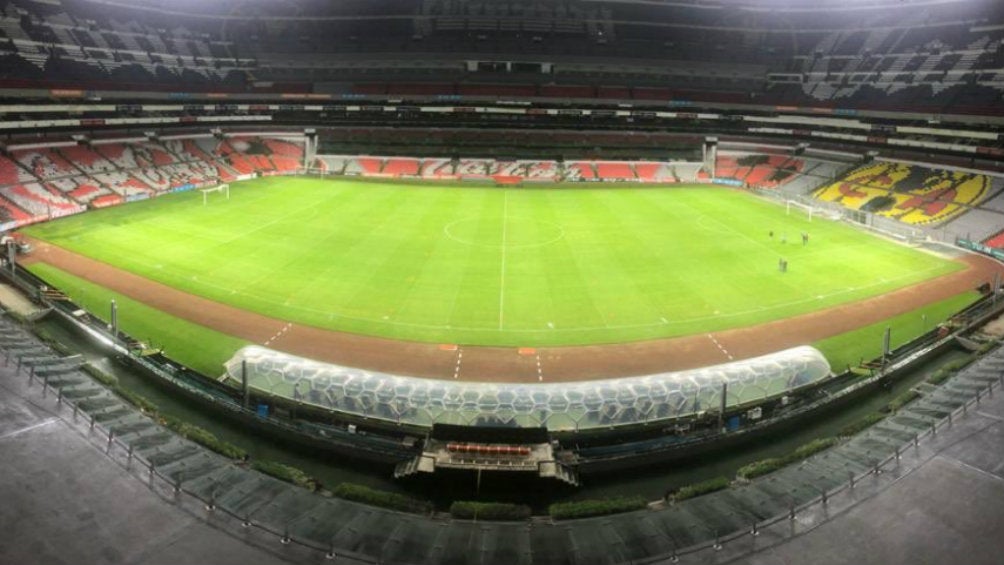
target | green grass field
x=489, y=266
x=195, y=346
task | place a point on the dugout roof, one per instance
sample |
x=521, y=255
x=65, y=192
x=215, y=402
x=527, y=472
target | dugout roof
x=575, y=406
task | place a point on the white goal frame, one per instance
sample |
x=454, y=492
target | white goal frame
x=218, y=188
x=812, y=211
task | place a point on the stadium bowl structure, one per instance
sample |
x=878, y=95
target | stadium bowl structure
x=560, y=407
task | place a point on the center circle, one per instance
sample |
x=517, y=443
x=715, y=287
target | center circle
x=514, y=233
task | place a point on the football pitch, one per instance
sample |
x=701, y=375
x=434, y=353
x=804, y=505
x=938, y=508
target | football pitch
x=491, y=266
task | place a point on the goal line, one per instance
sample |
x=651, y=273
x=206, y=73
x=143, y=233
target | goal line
x=218, y=188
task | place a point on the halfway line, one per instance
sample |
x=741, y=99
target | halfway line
x=505, y=214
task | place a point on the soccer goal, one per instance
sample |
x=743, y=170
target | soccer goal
x=799, y=208
x=225, y=188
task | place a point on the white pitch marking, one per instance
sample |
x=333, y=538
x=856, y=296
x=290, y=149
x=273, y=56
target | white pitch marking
x=505, y=213
x=720, y=347
x=460, y=358
x=279, y=333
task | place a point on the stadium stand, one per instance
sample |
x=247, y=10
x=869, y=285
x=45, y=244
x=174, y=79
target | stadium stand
x=892, y=60
x=402, y=166
x=80, y=188
x=727, y=167
x=10, y=173
x=189, y=151
x=333, y=164
x=503, y=169
x=286, y=155
x=996, y=241
x=363, y=166
x=772, y=171
x=123, y=185
x=234, y=159
x=43, y=163
x=579, y=170
x=40, y=202
x=86, y=159
x=541, y=170
x=474, y=168
x=518, y=170
x=654, y=172
x=118, y=153
x=11, y=215
x=911, y=194
x=612, y=171
x=248, y=154
x=437, y=168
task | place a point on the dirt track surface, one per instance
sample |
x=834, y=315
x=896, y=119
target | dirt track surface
x=502, y=364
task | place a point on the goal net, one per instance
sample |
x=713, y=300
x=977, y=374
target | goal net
x=220, y=188
x=795, y=207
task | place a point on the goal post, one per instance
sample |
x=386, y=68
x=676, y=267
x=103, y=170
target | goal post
x=225, y=188
x=797, y=207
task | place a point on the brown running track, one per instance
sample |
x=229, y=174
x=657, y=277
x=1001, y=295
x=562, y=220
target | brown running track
x=505, y=364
